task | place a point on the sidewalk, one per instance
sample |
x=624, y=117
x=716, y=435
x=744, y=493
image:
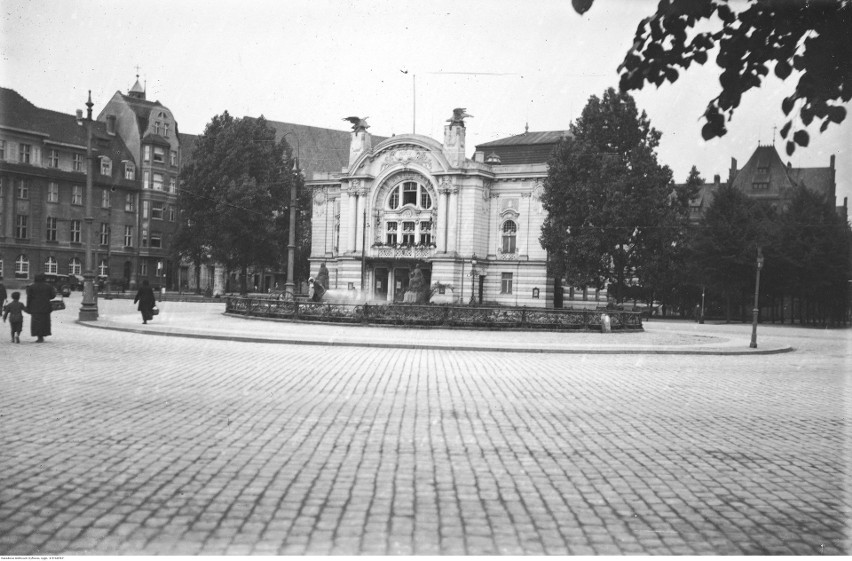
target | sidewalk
x=208, y=321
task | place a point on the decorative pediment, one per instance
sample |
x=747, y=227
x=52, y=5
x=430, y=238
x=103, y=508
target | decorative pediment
x=509, y=213
x=405, y=154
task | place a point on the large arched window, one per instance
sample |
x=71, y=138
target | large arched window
x=50, y=266
x=409, y=193
x=510, y=231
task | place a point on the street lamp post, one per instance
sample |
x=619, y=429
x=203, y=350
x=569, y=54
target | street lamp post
x=701, y=317
x=89, y=307
x=756, y=309
x=473, y=273
x=290, y=286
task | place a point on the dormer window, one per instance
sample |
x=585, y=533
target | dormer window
x=106, y=166
x=156, y=127
x=166, y=130
x=129, y=171
x=159, y=154
x=760, y=186
x=146, y=153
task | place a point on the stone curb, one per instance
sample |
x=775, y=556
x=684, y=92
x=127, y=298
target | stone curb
x=686, y=350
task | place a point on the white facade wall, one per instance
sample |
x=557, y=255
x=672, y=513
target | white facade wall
x=470, y=203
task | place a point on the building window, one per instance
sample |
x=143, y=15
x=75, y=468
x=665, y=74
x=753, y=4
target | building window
x=409, y=193
x=425, y=233
x=51, y=229
x=510, y=230
x=75, y=231
x=130, y=202
x=156, y=239
x=128, y=236
x=760, y=186
x=172, y=213
x=173, y=158
x=24, y=153
x=22, y=267
x=159, y=154
x=21, y=226
x=23, y=189
x=1, y=268
x=74, y=266
x=172, y=185
x=129, y=171
x=50, y=266
x=146, y=179
x=505, y=283
x=391, y=233
x=408, y=233
x=145, y=206
x=106, y=166
x=158, y=182
x=53, y=192
x=53, y=159
x=104, y=233
x=157, y=210
x=144, y=237
x=146, y=153
x=166, y=130
x=143, y=268
x=77, y=162
x=103, y=269
x=105, y=198
x=156, y=127
x=2, y=150
x=77, y=195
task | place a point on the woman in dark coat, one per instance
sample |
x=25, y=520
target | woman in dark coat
x=145, y=297
x=39, y=295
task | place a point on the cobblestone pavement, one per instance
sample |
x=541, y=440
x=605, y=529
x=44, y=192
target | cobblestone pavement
x=120, y=443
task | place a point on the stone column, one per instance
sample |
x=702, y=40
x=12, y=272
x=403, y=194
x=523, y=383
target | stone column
x=352, y=217
x=442, y=231
x=359, y=220
x=453, y=222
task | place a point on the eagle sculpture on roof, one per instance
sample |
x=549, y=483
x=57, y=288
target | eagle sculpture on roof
x=358, y=124
x=459, y=115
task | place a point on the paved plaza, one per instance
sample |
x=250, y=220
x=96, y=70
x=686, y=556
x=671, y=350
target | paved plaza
x=169, y=438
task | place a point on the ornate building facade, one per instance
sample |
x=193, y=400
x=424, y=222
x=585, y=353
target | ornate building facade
x=471, y=226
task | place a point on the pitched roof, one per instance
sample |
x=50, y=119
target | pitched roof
x=525, y=148
x=764, y=166
x=318, y=149
x=17, y=112
x=818, y=180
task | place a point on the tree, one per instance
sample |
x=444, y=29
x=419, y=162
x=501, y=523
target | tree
x=235, y=189
x=605, y=194
x=811, y=38
x=725, y=245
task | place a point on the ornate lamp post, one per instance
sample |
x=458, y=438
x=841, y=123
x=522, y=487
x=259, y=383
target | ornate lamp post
x=756, y=309
x=290, y=286
x=89, y=307
x=473, y=273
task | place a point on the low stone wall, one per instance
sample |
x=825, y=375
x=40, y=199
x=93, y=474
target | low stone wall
x=435, y=315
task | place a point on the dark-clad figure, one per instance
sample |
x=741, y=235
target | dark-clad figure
x=322, y=276
x=145, y=297
x=3, y=294
x=39, y=295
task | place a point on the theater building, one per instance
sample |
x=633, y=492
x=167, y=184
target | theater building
x=471, y=226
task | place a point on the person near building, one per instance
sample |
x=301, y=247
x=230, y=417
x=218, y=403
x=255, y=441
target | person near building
x=39, y=295
x=145, y=298
x=14, y=310
x=2, y=294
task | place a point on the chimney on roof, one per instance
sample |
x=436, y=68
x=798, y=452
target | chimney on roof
x=832, y=162
x=733, y=172
x=789, y=164
x=479, y=156
x=717, y=180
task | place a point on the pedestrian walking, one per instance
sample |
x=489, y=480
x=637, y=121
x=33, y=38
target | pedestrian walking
x=2, y=294
x=39, y=295
x=14, y=310
x=145, y=298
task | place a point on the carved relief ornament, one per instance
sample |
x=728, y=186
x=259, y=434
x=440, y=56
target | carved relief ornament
x=406, y=154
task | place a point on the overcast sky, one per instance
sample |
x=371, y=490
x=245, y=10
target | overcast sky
x=313, y=62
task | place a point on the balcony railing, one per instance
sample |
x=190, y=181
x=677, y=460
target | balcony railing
x=436, y=315
x=402, y=251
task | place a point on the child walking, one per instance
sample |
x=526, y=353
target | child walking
x=14, y=310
